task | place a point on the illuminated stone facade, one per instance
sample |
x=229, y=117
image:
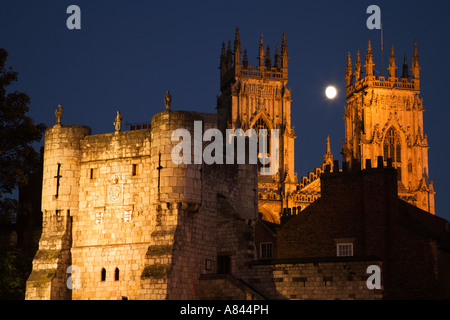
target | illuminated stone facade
x=133, y=224
x=384, y=117
x=258, y=98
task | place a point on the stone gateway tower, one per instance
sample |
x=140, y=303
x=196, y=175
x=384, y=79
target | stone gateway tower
x=133, y=224
x=384, y=117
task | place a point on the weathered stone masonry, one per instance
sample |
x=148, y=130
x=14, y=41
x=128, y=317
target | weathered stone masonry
x=160, y=249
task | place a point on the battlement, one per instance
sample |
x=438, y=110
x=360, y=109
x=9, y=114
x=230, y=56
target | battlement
x=356, y=166
x=207, y=118
x=356, y=82
x=232, y=65
x=350, y=181
x=381, y=82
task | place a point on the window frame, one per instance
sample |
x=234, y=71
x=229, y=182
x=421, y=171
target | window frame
x=261, y=251
x=340, y=245
x=392, y=146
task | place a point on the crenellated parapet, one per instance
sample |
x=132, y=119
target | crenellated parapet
x=233, y=63
x=356, y=82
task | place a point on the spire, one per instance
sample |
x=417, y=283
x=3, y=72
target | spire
x=229, y=55
x=369, y=49
x=349, y=76
x=245, y=60
x=277, y=58
x=392, y=67
x=328, y=156
x=237, y=48
x=284, y=46
x=358, y=67
x=328, y=144
x=237, y=41
x=261, y=54
x=405, y=73
x=415, y=63
x=369, y=60
x=268, y=59
x=229, y=51
x=222, y=57
x=284, y=55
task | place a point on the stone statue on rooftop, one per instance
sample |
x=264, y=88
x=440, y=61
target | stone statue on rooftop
x=118, y=122
x=58, y=114
x=168, y=100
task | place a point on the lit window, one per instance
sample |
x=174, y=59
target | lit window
x=345, y=249
x=259, y=125
x=266, y=250
x=392, y=146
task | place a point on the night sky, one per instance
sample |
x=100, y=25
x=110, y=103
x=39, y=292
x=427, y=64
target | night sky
x=128, y=53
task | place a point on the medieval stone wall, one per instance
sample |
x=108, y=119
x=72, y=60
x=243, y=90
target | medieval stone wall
x=314, y=279
x=132, y=222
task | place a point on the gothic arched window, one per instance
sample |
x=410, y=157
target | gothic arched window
x=392, y=146
x=261, y=124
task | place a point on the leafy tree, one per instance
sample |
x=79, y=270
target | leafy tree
x=18, y=162
x=18, y=158
x=14, y=271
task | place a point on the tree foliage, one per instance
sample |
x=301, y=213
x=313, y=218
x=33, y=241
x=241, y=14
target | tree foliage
x=18, y=162
x=14, y=271
x=18, y=131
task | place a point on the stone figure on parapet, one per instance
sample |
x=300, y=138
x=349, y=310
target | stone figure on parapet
x=118, y=122
x=58, y=114
x=168, y=100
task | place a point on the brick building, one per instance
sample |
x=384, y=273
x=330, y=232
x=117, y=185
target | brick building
x=359, y=215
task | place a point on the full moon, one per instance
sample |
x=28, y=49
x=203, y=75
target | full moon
x=331, y=92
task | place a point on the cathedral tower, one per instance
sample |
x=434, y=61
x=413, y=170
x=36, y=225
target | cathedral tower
x=384, y=117
x=256, y=97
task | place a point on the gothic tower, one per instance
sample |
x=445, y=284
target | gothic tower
x=384, y=117
x=257, y=98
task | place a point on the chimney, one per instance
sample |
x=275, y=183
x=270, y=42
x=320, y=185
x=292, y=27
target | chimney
x=380, y=162
x=336, y=166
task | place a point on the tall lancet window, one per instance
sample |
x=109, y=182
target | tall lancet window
x=392, y=146
x=261, y=124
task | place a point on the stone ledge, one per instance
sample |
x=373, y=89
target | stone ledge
x=238, y=283
x=314, y=260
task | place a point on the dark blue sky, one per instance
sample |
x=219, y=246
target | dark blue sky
x=129, y=52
